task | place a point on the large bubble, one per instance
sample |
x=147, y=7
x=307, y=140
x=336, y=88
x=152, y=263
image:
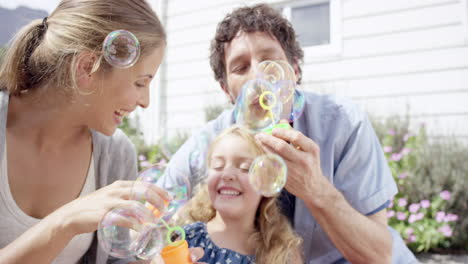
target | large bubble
x=268, y=174
x=258, y=106
x=130, y=231
x=281, y=74
x=141, y=229
x=121, y=49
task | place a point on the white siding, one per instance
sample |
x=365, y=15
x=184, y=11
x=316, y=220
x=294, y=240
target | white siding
x=401, y=57
x=397, y=56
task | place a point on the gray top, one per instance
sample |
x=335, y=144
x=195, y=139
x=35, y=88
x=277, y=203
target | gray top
x=351, y=158
x=114, y=159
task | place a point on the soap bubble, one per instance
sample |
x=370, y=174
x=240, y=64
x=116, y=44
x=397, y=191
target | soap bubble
x=197, y=158
x=280, y=74
x=179, y=192
x=121, y=49
x=258, y=107
x=296, y=107
x=141, y=229
x=268, y=174
x=130, y=231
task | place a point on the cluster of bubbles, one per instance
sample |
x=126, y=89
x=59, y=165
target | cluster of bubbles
x=269, y=98
x=140, y=229
x=263, y=102
x=121, y=49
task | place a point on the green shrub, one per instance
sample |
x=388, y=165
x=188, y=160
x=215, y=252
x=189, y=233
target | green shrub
x=426, y=172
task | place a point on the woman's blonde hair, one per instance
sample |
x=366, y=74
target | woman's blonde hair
x=44, y=52
x=275, y=240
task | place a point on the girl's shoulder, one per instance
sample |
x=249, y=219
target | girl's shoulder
x=197, y=236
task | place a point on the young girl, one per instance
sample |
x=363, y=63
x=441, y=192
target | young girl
x=234, y=223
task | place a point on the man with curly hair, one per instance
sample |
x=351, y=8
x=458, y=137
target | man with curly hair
x=339, y=184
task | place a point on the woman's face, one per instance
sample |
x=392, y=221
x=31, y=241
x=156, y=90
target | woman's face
x=228, y=183
x=118, y=92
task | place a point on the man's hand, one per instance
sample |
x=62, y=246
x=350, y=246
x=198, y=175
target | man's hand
x=302, y=157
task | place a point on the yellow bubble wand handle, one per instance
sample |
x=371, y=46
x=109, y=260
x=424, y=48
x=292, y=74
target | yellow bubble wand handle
x=267, y=107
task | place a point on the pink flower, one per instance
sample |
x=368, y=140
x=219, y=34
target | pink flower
x=391, y=132
x=413, y=208
x=390, y=214
x=404, y=175
x=451, y=218
x=419, y=216
x=425, y=203
x=391, y=204
x=412, y=218
x=141, y=158
x=407, y=136
x=402, y=202
x=440, y=216
x=445, y=195
x=401, y=216
x=405, y=151
x=387, y=149
x=396, y=156
x=412, y=238
x=446, y=230
x=409, y=231
x=145, y=164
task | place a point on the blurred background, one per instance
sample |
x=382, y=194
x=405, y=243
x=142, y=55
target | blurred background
x=404, y=61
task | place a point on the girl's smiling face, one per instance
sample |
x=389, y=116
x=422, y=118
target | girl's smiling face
x=229, y=189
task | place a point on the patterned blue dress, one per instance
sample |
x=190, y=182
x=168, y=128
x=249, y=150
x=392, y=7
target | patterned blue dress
x=197, y=236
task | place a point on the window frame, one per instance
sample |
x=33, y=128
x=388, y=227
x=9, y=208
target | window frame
x=335, y=47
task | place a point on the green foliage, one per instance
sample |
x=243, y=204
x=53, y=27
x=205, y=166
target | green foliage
x=131, y=129
x=432, y=176
x=162, y=151
x=149, y=155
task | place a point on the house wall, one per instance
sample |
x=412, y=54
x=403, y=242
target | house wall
x=395, y=57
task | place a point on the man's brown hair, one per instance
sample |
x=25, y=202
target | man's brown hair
x=258, y=18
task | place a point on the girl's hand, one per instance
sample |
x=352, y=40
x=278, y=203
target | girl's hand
x=84, y=214
x=196, y=254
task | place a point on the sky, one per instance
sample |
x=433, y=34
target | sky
x=47, y=5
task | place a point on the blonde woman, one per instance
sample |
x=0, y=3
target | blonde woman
x=232, y=222
x=64, y=163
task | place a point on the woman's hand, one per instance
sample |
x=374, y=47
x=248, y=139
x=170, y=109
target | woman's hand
x=84, y=214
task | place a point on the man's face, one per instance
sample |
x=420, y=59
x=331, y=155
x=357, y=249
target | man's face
x=242, y=56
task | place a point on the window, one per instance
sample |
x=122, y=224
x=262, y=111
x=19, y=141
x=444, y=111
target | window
x=317, y=24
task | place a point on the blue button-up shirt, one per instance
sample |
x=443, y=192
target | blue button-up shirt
x=351, y=158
